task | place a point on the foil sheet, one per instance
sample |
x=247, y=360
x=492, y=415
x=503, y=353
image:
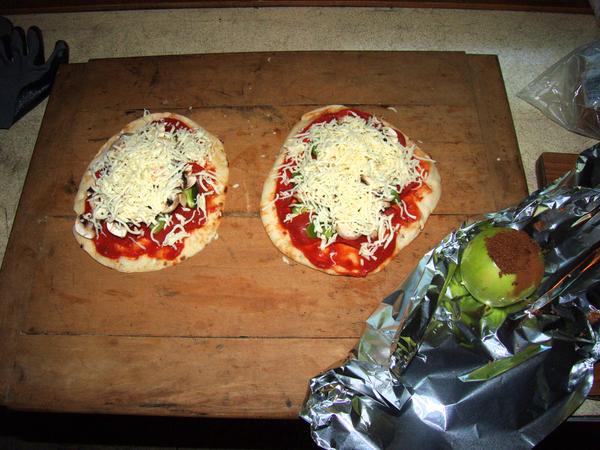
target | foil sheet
x=434, y=368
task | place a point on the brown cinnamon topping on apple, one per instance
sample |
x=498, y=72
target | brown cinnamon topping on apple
x=514, y=252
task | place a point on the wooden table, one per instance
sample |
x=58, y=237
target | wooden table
x=234, y=331
x=550, y=166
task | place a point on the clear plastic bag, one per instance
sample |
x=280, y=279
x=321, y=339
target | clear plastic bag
x=595, y=4
x=569, y=92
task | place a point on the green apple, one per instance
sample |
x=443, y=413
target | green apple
x=484, y=279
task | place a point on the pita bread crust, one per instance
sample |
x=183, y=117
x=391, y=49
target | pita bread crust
x=198, y=238
x=430, y=194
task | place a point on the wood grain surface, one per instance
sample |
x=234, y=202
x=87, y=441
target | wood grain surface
x=551, y=166
x=233, y=331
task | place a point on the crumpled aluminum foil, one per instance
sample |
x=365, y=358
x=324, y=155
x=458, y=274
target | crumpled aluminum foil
x=437, y=369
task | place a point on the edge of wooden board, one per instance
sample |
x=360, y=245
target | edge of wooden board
x=233, y=378
x=19, y=251
x=504, y=156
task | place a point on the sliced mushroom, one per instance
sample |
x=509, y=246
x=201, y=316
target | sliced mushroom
x=181, y=199
x=344, y=231
x=172, y=202
x=116, y=229
x=389, y=196
x=84, y=228
x=100, y=212
x=391, y=132
x=166, y=138
x=119, y=143
x=190, y=180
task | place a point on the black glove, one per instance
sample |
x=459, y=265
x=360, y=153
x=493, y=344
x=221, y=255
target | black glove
x=25, y=77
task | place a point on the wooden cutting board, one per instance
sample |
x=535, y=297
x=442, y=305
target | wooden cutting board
x=234, y=331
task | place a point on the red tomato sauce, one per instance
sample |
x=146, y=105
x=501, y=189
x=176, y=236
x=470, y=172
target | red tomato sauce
x=134, y=246
x=344, y=252
x=172, y=124
x=131, y=245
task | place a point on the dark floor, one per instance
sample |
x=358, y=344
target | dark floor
x=43, y=431
x=20, y=430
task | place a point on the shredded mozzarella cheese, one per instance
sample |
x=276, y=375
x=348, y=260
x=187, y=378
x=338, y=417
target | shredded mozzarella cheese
x=345, y=173
x=143, y=172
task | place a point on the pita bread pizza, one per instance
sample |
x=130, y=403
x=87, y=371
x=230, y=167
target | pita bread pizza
x=347, y=192
x=153, y=195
